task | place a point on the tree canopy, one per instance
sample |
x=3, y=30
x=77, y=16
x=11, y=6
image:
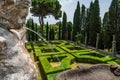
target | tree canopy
x=42, y=8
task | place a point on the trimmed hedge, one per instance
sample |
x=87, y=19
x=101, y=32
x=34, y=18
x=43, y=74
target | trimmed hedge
x=48, y=68
x=67, y=56
x=90, y=59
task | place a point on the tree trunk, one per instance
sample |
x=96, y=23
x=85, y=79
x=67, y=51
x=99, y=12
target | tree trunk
x=97, y=41
x=41, y=21
x=85, y=39
x=114, y=45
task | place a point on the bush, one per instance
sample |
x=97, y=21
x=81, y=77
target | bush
x=89, y=59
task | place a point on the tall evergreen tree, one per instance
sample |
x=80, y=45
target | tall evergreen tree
x=36, y=30
x=69, y=29
x=76, y=21
x=83, y=22
x=50, y=34
x=114, y=20
x=107, y=37
x=59, y=36
x=32, y=27
x=87, y=25
x=95, y=22
x=83, y=17
x=64, y=22
x=114, y=15
x=47, y=29
x=90, y=23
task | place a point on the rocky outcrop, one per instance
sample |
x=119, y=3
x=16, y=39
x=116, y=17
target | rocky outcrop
x=15, y=61
x=95, y=72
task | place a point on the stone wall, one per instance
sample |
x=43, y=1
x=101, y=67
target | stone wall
x=15, y=61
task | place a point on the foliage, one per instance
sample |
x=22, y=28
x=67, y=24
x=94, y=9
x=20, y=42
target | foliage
x=114, y=20
x=69, y=30
x=66, y=57
x=107, y=37
x=95, y=23
x=47, y=31
x=30, y=35
x=52, y=33
x=111, y=24
x=76, y=21
x=59, y=36
x=79, y=37
x=64, y=28
x=42, y=8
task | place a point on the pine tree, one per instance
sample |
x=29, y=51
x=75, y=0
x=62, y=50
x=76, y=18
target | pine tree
x=43, y=8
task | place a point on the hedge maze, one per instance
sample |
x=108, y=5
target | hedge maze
x=54, y=58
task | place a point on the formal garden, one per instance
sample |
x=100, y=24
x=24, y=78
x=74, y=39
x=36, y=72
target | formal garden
x=87, y=27
x=61, y=55
x=80, y=37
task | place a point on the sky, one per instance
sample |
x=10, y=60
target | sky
x=69, y=7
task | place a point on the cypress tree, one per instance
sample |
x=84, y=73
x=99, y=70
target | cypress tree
x=114, y=12
x=90, y=22
x=76, y=21
x=87, y=25
x=64, y=26
x=83, y=22
x=95, y=22
x=50, y=34
x=83, y=17
x=114, y=20
x=47, y=28
x=107, y=37
x=97, y=19
x=59, y=33
x=69, y=28
x=74, y=26
x=32, y=27
x=36, y=30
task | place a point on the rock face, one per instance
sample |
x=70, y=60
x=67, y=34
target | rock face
x=15, y=61
x=96, y=72
x=13, y=13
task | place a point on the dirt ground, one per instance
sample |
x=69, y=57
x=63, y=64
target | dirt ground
x=75, y=64
x=55, y=64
